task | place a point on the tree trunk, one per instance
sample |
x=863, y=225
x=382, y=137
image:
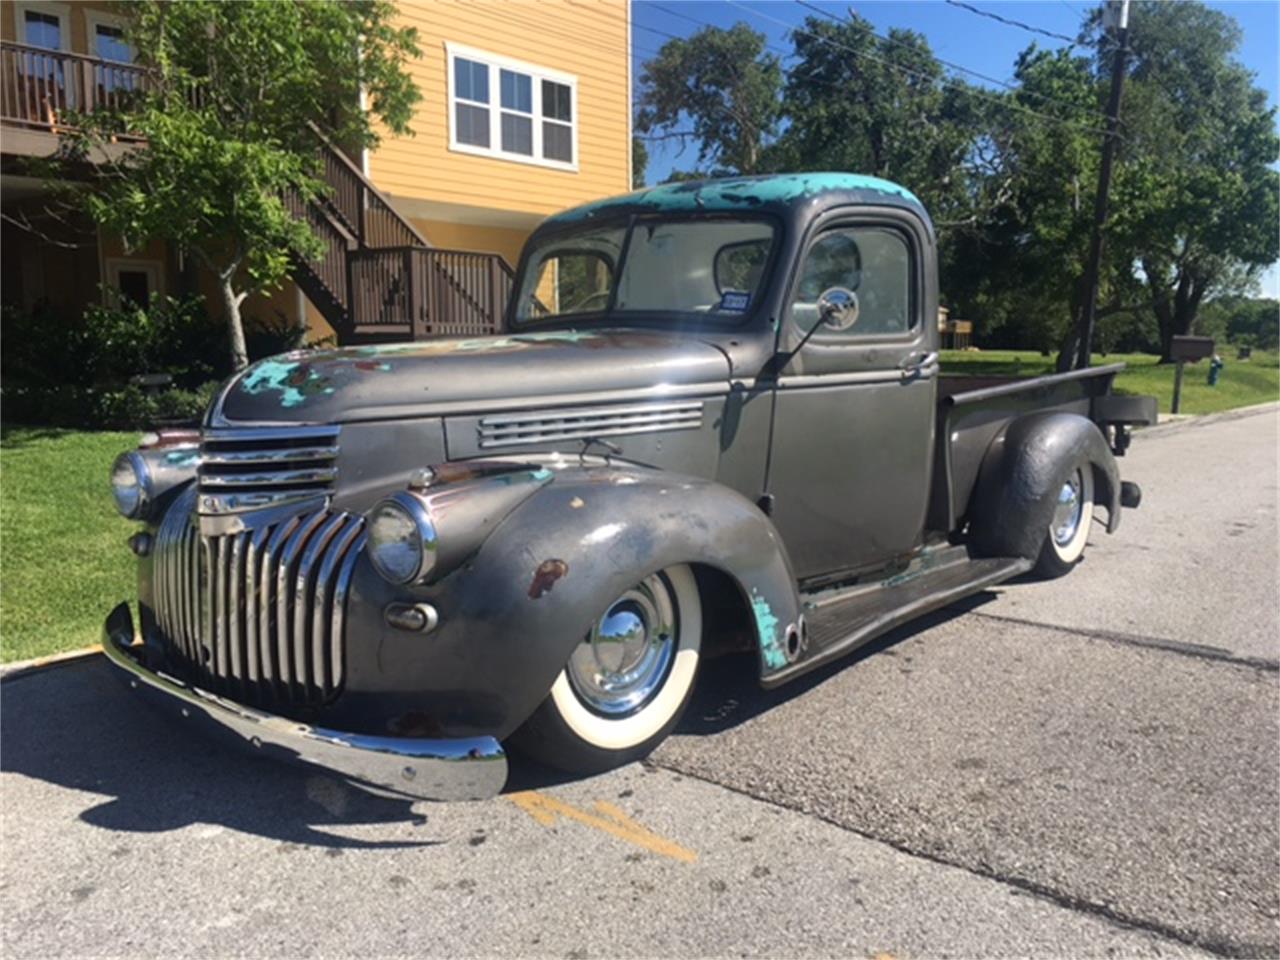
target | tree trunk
x=235, y=329
x=1176, y=314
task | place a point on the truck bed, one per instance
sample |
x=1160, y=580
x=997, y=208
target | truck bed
x=973, y=410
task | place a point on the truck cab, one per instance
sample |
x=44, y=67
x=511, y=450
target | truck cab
x=716, y=423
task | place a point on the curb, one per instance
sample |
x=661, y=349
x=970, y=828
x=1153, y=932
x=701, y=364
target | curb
x=24, y=668
x=1205, y=419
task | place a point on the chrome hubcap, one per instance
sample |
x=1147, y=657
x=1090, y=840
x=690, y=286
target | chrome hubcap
x=623, y=662
x=1069, y=511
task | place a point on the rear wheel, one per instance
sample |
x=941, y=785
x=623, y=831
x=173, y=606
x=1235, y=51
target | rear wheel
x=626, y=684
x=1068, y=531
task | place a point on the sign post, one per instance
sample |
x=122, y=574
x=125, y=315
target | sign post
x=1182, y=350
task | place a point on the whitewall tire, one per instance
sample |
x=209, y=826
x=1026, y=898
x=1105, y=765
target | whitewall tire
x=626, y=683
x=1068, y=531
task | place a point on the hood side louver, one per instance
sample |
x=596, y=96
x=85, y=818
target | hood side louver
x=581, y=423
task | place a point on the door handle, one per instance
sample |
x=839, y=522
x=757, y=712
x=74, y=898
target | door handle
x=917, y=363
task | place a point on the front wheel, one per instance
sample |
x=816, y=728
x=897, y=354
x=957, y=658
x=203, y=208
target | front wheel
x=1069, y=526
x=626, y=684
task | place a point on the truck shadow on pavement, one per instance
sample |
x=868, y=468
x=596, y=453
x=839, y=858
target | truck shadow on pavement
x=76, y=727
x=729, y=693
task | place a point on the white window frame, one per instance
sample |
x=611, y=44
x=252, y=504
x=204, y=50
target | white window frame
x=496, y=63
x=96, y=18
x=60, y=10
x=154, y=270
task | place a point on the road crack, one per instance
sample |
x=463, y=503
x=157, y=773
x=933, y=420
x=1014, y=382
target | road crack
x=1182, y=648
x=1210, y=943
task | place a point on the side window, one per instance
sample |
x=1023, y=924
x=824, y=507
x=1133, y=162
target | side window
x=874, y=263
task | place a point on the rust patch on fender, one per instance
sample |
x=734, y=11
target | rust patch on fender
x=545, y=577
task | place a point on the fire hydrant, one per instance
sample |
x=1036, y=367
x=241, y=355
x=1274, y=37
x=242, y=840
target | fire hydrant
x=1215, y=370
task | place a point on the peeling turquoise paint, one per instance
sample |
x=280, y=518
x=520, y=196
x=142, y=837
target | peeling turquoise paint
x=182, y=458
x=298, y=379
x=290, y=379
x=775, y=658
x=737, y=194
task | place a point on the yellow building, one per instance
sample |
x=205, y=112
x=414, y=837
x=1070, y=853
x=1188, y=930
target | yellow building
x=525, y=110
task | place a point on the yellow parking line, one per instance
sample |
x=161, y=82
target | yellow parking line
x=607, y=818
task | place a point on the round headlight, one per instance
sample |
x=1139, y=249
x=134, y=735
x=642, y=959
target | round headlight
x=402, y=539
x=129, y=483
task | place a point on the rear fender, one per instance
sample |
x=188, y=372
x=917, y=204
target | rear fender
x=553, y=566
x=1022, y=470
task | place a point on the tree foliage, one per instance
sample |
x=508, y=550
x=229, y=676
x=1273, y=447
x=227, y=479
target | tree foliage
x=854, y=101
x=1010, y=175
x=226, y=118
x=1196, y=198
x=719, y=89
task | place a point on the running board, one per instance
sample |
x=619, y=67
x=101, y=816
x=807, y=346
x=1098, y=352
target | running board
x=840, y=624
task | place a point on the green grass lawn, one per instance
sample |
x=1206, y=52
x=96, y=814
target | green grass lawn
x=63, y=559
x=1243, y=382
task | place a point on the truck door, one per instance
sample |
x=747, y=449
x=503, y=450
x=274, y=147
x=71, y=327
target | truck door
x=852, y=447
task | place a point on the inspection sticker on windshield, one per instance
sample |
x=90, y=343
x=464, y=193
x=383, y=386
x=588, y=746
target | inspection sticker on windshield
x=735, y=302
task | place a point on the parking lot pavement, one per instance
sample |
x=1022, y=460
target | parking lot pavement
x=1196, y=565
x=1033, y=778
x=124, y=838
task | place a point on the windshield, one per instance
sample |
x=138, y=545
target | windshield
x=707, y=267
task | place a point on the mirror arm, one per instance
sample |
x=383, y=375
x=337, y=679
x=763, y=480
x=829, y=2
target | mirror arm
x=778, y=362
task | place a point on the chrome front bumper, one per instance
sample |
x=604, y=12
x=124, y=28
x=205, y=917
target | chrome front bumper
x=464, y=769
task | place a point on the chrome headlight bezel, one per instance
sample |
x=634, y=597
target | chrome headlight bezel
x=415, y=515
x=136, y=465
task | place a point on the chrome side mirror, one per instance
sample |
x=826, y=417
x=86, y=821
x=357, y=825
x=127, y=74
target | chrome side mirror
x=838, y=308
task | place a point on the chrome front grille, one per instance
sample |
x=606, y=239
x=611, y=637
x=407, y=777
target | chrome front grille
x=508, y=430
x=258, y=615
x=252, y=468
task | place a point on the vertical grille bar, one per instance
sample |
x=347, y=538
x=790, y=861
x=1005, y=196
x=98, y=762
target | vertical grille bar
x=337, y=633
x=235, y=576
x=258, y=614
x=323, y=607
x=303, y=600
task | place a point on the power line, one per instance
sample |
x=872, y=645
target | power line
x=1012, y=23
x=1013, y=87
x=909, y=72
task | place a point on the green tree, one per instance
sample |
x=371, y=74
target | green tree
x=226, y=122
x=719, y=89
x=1195, y=203
x=1017, y=269
x=881, y=106
x=639, y=162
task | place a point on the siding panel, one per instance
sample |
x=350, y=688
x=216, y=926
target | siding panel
x=586, y=38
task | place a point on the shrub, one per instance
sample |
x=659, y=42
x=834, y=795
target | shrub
x=79, y=372
x=117, y=408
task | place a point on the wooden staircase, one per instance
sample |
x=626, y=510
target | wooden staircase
x=378, y=279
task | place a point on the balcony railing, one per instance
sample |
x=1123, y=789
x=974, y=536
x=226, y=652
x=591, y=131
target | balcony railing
x=42, y=89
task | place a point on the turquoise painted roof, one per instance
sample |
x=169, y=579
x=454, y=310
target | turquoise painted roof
x=737, y=194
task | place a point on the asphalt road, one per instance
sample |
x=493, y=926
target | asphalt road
x=1082, y=768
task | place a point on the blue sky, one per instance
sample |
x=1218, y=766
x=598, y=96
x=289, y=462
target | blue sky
x=964, y=38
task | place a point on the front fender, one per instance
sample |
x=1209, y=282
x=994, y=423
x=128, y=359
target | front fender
x=1021, y=473
x=512, y=613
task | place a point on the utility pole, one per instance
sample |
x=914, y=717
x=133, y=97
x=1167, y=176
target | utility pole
x=1116, y=16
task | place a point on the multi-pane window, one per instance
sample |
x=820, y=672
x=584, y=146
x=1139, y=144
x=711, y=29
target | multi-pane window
x=517, y=112
x=557, y=121
x=109, y=43
x=43, y=29
x=511, y=110
x=471, y=102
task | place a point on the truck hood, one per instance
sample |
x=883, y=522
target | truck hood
x=457, y=375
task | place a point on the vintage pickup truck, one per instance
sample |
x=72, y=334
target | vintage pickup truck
x=716, y=423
